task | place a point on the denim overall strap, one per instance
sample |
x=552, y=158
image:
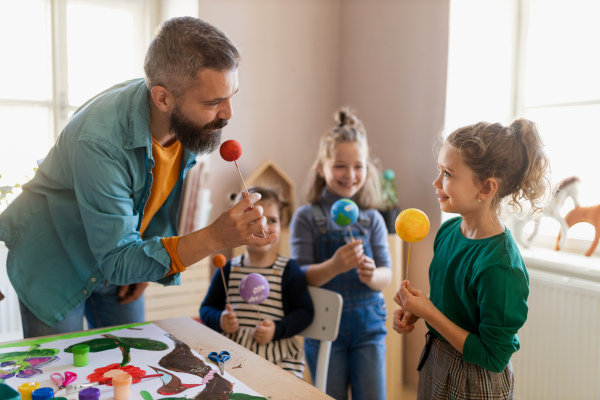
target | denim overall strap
x=319, y=218
x=347, y=284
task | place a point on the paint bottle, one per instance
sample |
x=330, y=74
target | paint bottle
x=59, y=398
x=8, y=393
x=26, y=388
x=122, y=386
x=89, y=394
x=80, y=355
x=44, y=393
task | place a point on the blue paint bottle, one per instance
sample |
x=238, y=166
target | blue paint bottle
x=44, y=393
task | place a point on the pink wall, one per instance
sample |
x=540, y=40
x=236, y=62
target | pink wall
x=304, y=58
x=289, y=84
x=394, y=62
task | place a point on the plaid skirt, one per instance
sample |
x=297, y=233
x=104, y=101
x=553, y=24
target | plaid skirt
x=444, y=375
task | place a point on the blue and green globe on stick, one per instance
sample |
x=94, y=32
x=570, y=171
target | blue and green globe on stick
x=344, y=212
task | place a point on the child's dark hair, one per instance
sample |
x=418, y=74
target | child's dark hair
x=266, y=195
x=349, y=129
x=513, y=155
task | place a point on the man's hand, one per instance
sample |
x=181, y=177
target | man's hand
x=242, y=225
x=129, y=293
x=264, y=332
x=229, y=321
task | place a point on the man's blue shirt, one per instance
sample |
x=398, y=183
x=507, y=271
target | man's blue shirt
x=77, y=221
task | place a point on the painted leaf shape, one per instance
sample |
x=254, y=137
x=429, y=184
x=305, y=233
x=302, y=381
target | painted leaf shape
x=109, y=342
x=144, y=344
x=96, y=345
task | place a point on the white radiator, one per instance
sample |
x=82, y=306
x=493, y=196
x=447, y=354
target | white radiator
x=10, y=317
x=560, y=342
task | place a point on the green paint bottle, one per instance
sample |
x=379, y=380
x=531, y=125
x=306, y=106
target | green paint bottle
x=8, y=393
x=80, y=355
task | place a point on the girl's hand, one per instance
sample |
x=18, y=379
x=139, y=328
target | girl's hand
x=348, y=256
x=401, y=321
x=409, y=318
x=229, y=322
x=366, y=269
x=264, y=332
x=413, y=300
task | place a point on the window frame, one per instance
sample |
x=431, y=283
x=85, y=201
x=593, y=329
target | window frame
x=545, y=241
x=516, y=19
x=61, y=107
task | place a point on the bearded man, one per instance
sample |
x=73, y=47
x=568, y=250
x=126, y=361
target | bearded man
x=99, y=219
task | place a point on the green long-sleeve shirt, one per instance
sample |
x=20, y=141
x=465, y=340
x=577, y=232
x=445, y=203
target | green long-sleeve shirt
x=482, y=286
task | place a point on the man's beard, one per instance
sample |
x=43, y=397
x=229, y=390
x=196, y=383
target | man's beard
x=196, y=138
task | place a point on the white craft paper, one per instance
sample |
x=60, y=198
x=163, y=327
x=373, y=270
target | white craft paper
x=142, y=359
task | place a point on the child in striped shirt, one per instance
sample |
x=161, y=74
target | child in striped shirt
x=286, y=312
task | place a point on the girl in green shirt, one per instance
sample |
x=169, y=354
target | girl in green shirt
x=479, y=283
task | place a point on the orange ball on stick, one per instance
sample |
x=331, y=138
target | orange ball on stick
x=219, y=260
x=412, y=225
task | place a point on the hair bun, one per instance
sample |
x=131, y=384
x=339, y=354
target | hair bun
x=345, y=117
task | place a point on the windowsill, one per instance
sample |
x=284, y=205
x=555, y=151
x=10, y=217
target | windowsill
x=562, y=263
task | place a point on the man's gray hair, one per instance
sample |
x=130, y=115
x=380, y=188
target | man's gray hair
x=182, y=47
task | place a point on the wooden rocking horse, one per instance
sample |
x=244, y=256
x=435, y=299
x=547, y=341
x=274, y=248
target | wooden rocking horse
x=568, y=187
x=591, y=215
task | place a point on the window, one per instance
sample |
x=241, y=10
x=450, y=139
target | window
x=60, y=53
x=536, y=59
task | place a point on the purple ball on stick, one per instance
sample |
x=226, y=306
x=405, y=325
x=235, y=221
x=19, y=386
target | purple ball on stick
x=254, y=288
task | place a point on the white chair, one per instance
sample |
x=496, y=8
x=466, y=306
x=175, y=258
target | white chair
x=324, y=327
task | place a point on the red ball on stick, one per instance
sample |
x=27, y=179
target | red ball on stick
x=230, y=150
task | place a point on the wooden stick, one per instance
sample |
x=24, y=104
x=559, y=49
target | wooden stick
x=225, y=285
x=258, y=307
x=407, y=259
x=240, y=172
x=351, y=235
x=245, y=187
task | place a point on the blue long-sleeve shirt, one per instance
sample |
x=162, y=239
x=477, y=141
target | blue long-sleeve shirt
x=77, y=221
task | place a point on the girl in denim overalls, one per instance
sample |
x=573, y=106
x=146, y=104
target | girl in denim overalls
x=357, y=269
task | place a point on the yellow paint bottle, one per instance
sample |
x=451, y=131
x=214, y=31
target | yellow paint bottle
x=26, y=388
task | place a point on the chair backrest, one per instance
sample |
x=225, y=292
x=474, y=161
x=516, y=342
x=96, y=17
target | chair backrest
x=328, y=312
x=324, y=327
